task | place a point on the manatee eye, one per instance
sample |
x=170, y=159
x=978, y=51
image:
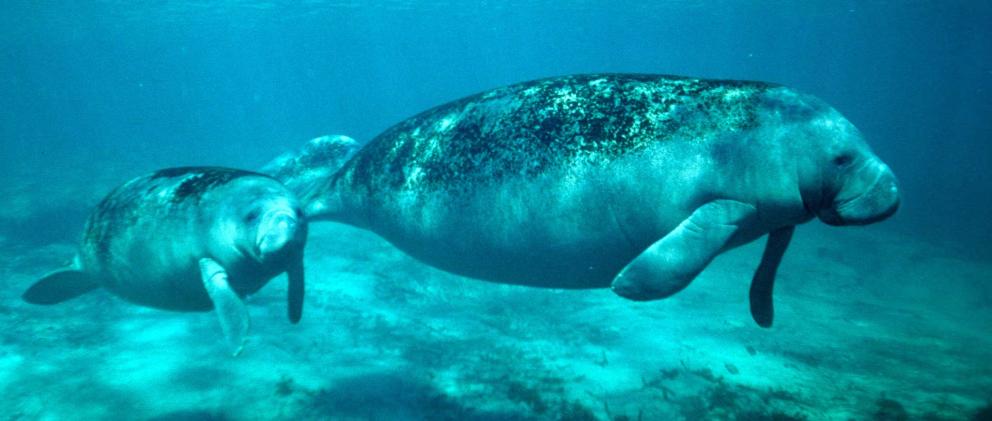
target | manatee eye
x=252, y=216
x=843, y=159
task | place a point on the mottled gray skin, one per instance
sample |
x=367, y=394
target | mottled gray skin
x=144, y=240
x=563, y=182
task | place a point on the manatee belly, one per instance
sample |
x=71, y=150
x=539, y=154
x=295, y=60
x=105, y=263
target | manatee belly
x=154, y=262
x=168, y=281
x=177, y=290
x=157, y=271
x=555, y=230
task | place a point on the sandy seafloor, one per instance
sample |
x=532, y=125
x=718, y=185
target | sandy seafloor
x=870, y=325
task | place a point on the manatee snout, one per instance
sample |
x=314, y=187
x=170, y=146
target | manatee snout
x=870, y=195
x=278, y=230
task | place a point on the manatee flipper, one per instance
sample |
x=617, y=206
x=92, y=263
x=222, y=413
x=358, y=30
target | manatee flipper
x=672, y=262
x=764, y=278
x=59, y=286
x=230, y=309
x=296, y=284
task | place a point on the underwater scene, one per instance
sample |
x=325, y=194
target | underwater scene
x=496, y=210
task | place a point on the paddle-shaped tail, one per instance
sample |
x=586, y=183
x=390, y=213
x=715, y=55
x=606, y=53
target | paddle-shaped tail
x=308, y=172
x=61, y=285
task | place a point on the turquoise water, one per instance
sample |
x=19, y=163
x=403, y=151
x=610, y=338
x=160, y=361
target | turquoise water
x=888, y=321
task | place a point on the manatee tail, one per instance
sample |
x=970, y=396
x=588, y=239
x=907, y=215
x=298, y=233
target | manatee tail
x=309, y=172
x=59, y=286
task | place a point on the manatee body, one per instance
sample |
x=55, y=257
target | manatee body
x=189, y=239
x=634, y=182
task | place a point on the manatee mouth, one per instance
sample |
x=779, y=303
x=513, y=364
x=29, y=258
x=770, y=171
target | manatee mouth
x=276, y=230
x=251, y=252
x=875, y=203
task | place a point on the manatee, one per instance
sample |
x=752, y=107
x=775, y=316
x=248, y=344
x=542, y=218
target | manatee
x=628, y=181
x=189, y=239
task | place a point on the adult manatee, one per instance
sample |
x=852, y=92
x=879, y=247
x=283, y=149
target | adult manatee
x=634, y=182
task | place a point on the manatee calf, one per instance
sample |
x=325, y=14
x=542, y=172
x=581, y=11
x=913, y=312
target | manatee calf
x=634, y=182
x=189, y=239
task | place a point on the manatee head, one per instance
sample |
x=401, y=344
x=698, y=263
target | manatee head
x=842, y=181
x=862, y=190
x=260, y=219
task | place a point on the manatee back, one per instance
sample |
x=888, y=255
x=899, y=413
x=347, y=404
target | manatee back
x=527, y=129
x=153, y=199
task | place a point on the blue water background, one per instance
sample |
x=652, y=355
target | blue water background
x=137, y=86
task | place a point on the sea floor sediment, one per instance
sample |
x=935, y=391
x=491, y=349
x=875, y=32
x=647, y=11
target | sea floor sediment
x=870, y=324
